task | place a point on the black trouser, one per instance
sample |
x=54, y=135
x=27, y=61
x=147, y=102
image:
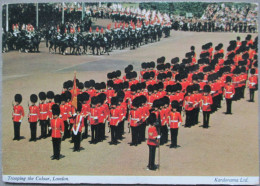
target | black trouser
x=56, y=147
x=94, y=133
x=152, y=150
x=214, y=105
x=229, y=104
x=188, y=121
x=33, y=127
x=196, y=115
x=120, y=129
x=164, y=134
x=243, y=91
x=142, y=132
x=252, y=94
x=114, y=133
x=86, y=128
x=135, y=133
x=76, y=140
x=206, y=115
x=66, y=130
x=101, y=131
x=174, y=134
x=43, y=124
x=219, y=100
x=17, y=130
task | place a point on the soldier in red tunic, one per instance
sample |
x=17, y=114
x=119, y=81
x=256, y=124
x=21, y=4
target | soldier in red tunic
x=229, y=92
x=33, y=117
x=17, y=116
x=206, y=105
x=135, y=120
x=252, y=84
x=57, y=128
x=188, y=105
x=78, y=128
x=152, y=141
x=43, y=117
x=114, y=119
x=93, y=120
x=174, y=123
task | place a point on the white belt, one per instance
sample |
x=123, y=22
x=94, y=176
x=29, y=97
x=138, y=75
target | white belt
x=16, y=114
x=252, y=83
x=33, y=114
x=205, y=103
x=150, y=103
x=94, y=117
x=43, y=112
x=65, y=113
x=173, y=120
x=114, y=117
x=229, y=92
x=135, y=119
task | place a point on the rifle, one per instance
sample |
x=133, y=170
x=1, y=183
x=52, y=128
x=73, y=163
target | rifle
x=108, y=127
x=129, y=128
x=159, y=149
x=29, y=110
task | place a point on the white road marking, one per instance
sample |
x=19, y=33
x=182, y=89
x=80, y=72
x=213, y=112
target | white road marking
x=76, y=65
x=14, y=76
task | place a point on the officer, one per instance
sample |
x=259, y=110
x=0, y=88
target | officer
x=252, y=84
x=78, y=128
x=152, y=141
x=229, y=92
x=18, y=114
x=57, y=128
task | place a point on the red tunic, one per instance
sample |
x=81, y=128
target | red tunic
x=33, y=113
x=57, y=126
x=115, y=115
x=152, y=134
x=174, y=119
x=43, y=109
x=229, y=91
x=135, y=118
x=188, y=103
x=206, y=102
x=18, y=113
x=64, y=112
x=49, y=109
x=252, y=82
x=93, y=119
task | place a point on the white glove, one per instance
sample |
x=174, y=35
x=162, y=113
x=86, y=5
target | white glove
x=179, y=124
x=232, y=95
x=74, y=114
x=158, y=137
x=200, y=110
x=60, y=115
x=224, y=98
x=20, y=121
x=49, y=128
